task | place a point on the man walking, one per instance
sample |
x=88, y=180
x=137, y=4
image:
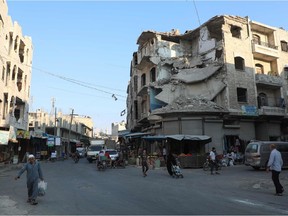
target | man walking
x=213, y=161
x=34, y=172
x=145, y=165
x=275, y=164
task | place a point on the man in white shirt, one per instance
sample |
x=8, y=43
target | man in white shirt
x=213, y=162
x=275, y=164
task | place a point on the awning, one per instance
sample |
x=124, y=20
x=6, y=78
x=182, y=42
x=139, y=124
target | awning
x=155, y=138
x=136, y=135
x=181, y=137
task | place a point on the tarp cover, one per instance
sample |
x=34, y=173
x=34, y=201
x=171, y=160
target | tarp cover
x=190, y=137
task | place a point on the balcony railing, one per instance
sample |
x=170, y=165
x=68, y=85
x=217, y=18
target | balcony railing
x=274, y=111
x=262, y=43
x=268, y=80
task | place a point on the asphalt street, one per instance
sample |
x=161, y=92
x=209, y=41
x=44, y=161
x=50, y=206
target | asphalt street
x=80, y=189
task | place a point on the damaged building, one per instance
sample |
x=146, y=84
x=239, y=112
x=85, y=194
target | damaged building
x=227, y=79
x=16, y=52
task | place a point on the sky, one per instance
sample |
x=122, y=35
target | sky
x=83, y=49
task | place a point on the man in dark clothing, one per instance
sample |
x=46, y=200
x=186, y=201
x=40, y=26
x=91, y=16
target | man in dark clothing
x=34, y=172
x=170, y=161
x=145, y=166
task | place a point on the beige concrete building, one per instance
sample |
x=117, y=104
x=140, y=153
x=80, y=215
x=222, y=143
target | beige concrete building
x=16, y=53
x=227, y=79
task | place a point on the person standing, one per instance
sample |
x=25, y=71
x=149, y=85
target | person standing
x=213, y=161
x=144, y=158
x=275, y=164
x=34, y=172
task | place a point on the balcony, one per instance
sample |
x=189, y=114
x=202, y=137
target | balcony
x=271, y=111
x=265, y=51
x=268, y=80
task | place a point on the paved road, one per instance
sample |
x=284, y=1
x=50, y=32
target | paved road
x=82, y=190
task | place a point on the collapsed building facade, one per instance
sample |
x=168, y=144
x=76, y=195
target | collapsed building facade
x=16, y=53
x=226, y=79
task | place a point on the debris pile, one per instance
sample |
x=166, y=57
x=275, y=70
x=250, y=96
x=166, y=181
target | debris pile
x=195, y=104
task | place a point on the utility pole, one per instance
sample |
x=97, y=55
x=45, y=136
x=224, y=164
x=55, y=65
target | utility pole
x=69, y=134
x=55, y=127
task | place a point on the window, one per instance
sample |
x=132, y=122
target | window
x=239, y=63
x=3, y=73
x=284, y=46
x=242, y=95
x=256, y=39
x=143, y=80
x=135, y=83
x=235, y=31
x=259, y=69
x=262, y=100
x=152, y=75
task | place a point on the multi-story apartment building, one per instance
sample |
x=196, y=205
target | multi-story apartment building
x=16, y=53
x=226, y=79
x=70, y=130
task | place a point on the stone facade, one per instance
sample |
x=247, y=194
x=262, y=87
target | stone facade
x=16, y=53
x=226, y=79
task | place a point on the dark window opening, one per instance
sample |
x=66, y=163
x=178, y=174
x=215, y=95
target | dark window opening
x=239, y=63
x=153, y=75
x=17, y=114
x=242, y=95
x=143, y=80
x=235, y=31
x=284, y=46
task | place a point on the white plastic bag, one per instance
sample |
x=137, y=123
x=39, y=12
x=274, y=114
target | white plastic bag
x=42, y=187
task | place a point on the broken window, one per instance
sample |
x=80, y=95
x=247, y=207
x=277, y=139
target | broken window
x=284, y=46
x=17, y=114
x=239, y=63
x=143, y=80
x=16, y=44
x=241, y=95
x=153, y=75
x=235, y=31
x=259, y=69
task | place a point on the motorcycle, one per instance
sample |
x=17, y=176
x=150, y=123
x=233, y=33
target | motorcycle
x=119, y=163
x=101, y=165
x=76, y=157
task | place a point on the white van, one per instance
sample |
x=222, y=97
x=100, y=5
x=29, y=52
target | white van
x=93, y=151
x=257, y=153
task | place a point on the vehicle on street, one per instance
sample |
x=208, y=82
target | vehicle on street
x=257, y=153
x=93, y=151
x=112, y=153
x=81, y=151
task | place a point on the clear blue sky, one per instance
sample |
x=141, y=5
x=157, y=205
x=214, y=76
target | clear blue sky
x=92, y=43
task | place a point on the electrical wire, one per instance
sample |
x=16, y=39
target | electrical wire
x=77, y=82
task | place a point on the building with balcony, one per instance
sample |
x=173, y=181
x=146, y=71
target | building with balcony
x=65, y=131
x=226, y=79
x=16, y=53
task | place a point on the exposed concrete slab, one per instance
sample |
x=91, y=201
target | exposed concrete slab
x=195, y=75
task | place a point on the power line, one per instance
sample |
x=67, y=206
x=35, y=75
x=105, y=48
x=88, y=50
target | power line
x=77, y=82
x=197, y=13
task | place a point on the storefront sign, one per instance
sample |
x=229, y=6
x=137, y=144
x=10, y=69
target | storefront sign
x=4, y=137
x=50, y=141
x=249, y=110
x=23, y=134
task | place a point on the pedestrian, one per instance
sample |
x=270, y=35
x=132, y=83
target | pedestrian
x=164, y=153
x=171, y=160
x=144, y=159
x=213, y=161
x=275, y=164
x=34, y=172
